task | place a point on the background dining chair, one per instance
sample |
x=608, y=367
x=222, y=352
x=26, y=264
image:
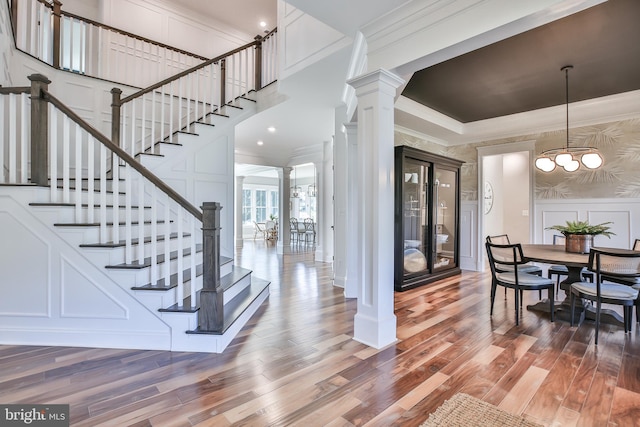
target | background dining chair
x=562, y=270
x=258, y=228
x=511, y=255
x=634, y=282
x=309, y=230
x=293, y=229
x=503, y=239
x=614, y=263
x=271, y=230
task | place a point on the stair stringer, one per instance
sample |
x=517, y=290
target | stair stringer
x=66, y=300
x=201, y=169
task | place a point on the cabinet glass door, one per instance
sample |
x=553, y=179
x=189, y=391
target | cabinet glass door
x=445, y=197
x=416, y=224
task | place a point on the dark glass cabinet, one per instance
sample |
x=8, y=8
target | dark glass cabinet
x=427, y=217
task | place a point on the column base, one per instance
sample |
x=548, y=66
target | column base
x=376, y=333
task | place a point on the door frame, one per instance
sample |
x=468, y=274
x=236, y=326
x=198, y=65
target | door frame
x=498, y=149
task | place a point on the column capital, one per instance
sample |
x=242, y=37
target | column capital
x=378, y=78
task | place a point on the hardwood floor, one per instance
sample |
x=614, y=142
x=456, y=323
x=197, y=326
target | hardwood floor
x=296, y=363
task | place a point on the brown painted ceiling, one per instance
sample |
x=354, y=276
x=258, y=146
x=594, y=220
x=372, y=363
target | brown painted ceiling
x=522, y=73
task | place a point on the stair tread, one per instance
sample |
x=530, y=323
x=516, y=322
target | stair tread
x=173, y=281
x=237, y=274
x=95, y=190
x=213, y=113
x=97, y=224
x=234, y=308
x=133, y=241
x=84, y=205
x=149, y=154
x=159, y=259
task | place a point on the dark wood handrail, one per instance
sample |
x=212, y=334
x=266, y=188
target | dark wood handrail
x=135, y=36
x=185, y=72
x=15, y=90
x=270, y=33
x=50, y=5
x=184, y=203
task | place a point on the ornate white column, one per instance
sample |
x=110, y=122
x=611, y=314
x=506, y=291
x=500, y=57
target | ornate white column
x=375, y=321
x=324, y=205
x=239, y=183
x=284, y=206
x=353, y=254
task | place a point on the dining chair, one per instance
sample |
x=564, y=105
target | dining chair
x=634, y=282
x=271, y=230
x=510, y=255
x=293, y=230
x=309, y=230
x=258, y=228
x=615, y=263
x=562, y=270
x=503, y=239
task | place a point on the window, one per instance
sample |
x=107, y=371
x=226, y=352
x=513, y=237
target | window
x=246, y=206
x=261, y=205
x=73, y=45
x=273, y=205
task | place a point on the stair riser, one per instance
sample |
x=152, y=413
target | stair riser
x=91, y=234
x=133, y=278
x=236, y=289
x=114, y=256
x=85, y=184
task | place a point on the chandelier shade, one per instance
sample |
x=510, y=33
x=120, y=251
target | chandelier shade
x=569, y=158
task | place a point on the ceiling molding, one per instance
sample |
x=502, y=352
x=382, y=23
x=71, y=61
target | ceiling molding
x=583, y=113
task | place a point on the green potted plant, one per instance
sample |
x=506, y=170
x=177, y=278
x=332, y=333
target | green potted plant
x=579, y=234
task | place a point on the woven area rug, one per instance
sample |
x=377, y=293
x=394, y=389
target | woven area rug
x=463, y=410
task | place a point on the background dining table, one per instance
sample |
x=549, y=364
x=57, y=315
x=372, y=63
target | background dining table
x=575, y=262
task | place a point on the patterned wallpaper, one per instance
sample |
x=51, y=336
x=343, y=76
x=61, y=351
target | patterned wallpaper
x=619, y=176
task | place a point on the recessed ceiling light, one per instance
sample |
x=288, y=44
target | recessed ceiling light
x=271, y=129
x=263, y=24
x=260, y=142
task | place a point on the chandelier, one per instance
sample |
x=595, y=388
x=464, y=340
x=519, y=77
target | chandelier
x=312, y=190
x=296, y=190
x=569, y=158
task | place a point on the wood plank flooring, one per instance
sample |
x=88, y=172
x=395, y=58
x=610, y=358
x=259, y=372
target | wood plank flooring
x=297, y=364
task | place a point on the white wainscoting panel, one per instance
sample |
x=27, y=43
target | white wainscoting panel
x=469, y=235
x=26, y=268
x=623, y=213
x=82, y=297
x=52, y=294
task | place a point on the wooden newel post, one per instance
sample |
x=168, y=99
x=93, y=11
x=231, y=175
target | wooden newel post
x=223, y=82
x=39, y=130
x=258, y=62
x=211, y=315
x=115, y=115
x=57, y=14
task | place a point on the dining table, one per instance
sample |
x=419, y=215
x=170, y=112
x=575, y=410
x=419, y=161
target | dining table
x=575, y=262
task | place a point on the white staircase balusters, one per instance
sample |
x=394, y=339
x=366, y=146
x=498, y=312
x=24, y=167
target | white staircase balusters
x=53, y=147
x=102, y=213
x=78, y=166
x=24, y=138
x=91, y=143
x=13, y=161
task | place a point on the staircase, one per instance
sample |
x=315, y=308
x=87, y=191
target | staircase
x=104, y=252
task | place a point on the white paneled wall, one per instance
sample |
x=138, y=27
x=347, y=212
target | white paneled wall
x=623, y=213
x=168, y=23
